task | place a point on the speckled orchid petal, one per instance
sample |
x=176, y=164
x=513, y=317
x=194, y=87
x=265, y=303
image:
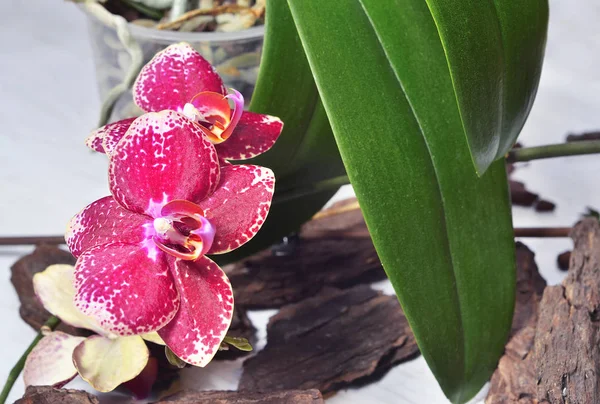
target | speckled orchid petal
x=253, y=135
x=50, y=363
x=173, y=77
x=196, y=332
x=239, y=206
x=105, y=138
x=127, y=288
x=102, y=222
x=54, y=287
x=164, y=156
x=106, y=363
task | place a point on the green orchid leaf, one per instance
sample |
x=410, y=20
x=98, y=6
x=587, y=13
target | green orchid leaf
x=306, y=152
x=237, y=342
x=494, y=50
x=399, y=114
x=174, y=359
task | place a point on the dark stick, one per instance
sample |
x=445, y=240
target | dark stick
x=55, y=240
x=533, y=232
x=543, y=232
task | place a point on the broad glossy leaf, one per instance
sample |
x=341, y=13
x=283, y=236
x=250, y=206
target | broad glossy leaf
x=306, y=151
x=494, y=50
x=443, y=233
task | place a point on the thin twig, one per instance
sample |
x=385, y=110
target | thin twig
x=543, y=232
x=532, y=232
x=51, y=323
x=28, y=240
x=554, y=150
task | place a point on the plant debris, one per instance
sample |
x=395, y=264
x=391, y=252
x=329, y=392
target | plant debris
x=595, y=135
x=330, y=341
x=198, y=16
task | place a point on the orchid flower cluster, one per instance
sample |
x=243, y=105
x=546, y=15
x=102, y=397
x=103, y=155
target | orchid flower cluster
x=142, y=270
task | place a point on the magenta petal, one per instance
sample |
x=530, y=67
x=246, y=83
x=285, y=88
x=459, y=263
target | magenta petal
x=127, y=288
x=105, y=221
x=164, y=156
x=104, y=139
x=253, y=135
x=196, y=332
x=239, y=206
x=173, y=77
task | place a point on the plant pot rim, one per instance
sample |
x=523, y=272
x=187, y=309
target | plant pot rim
x=168, y=37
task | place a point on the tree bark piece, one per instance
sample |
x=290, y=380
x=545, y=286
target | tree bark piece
x=50, y=395
x=22, y=271
x=567, y=338
x=324, y=255
x=512, y=380
x=233, y=397
x=558, y=360
x=330, y=341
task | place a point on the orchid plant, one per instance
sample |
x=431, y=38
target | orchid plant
x=420, y=101
x=142, y=270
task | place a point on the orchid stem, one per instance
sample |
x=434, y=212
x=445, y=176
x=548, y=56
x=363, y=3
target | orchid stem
x=554, y=150
x=288, y=194
x=51, y=323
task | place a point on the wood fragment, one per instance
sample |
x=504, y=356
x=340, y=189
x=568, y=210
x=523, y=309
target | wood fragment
x=567, y=338
x=50, y=395
x=543, y=205
x=520, y=196
x=563, y=260
x=584, y=136
x=22, y=271
x=329, y=341
x=323, y=255
x=562, y=364
x=512, y=381
x=234, y=397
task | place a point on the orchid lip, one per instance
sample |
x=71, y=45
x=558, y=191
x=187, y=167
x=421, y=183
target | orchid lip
x=182, y=230
x=212, y=112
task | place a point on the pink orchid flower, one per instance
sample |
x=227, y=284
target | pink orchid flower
x=180, y=79
x=104, y=360
x=141, y=252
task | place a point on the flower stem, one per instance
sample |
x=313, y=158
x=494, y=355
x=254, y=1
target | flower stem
x=27, y=240
x=51, y=323
x=554, y=150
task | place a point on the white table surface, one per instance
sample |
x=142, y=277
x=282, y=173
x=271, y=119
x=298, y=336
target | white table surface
x=49, y=102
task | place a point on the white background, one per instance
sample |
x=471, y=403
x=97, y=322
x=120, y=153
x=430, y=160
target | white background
x=48, y=104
